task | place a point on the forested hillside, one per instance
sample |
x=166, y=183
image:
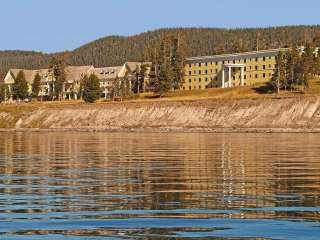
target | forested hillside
x=115, y=50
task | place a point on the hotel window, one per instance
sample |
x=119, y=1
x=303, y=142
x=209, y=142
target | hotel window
x=189, y=65
x=190, y=88
x=199, y=87
x=264, y=59
x=206, y=64
x=211, y=70
x=256, y=59
x=216, y=70
x=190, y=80
x=195, y=72
x=190, y=73
x=206, y=79
x=256, y=76
x=270, y=74
x=199, y=79
x=245, y=76
x=223, y=62
x=245, y=60
x=200, y=64
x=234, y=61
x=250, y=67
x=256, y=67
x=199, y=72
x=270, y=66
x=245, y=68
x=234, y=77
x=206, y=71
x=264, y=67
x=216, y=63
x=264, y=75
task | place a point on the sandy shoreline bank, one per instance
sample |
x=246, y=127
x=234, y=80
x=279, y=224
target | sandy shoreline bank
x=168, y=130
x=294, y=115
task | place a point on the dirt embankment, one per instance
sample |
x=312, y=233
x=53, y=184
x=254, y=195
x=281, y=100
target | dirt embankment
x=291, y=114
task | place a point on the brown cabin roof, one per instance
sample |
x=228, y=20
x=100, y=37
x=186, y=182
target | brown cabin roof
x=76, y=73
x=107, y=73
x=29, y=74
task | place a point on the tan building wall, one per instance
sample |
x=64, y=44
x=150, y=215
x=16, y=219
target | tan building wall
x=206, y=72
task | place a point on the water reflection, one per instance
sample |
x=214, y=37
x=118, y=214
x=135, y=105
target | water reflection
x=152, y=185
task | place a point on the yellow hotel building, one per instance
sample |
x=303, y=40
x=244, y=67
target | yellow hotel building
x=230, y=70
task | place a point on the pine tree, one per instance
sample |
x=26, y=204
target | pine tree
x=142, y=75
x=115, y=88
x=159, y=80
x=20, y=87
x=293, y=60
x=91, y=89
x=3, y=91
x=124, y=87
x=162, y=83
x=279, y=78
x=57, y=69
x=36, y=85
x=317, y=64
x=307, y=65
x=177, y=62
x=168, y=65
x=136, y=86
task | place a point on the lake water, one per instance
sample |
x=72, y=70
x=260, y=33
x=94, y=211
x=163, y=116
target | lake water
x=159, y=186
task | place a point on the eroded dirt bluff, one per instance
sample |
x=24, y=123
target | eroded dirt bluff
x=290, y=113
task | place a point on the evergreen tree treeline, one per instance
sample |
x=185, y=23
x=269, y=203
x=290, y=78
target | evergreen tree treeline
x=295, y=68
x=167, y=68
x=115, y=50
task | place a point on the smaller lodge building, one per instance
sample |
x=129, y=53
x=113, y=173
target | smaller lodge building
x=74, y=76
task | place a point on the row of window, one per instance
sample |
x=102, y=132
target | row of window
x=205, y=72
x=231, y=61
x=256, y=76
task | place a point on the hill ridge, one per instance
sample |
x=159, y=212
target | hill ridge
x=116, y=49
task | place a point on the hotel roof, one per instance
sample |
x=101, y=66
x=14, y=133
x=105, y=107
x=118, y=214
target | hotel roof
x=236, y=56
x=107, y=73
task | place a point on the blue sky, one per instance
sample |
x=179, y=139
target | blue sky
x=55, y=25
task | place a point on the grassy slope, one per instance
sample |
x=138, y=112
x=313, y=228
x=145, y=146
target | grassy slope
x=259, y=91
